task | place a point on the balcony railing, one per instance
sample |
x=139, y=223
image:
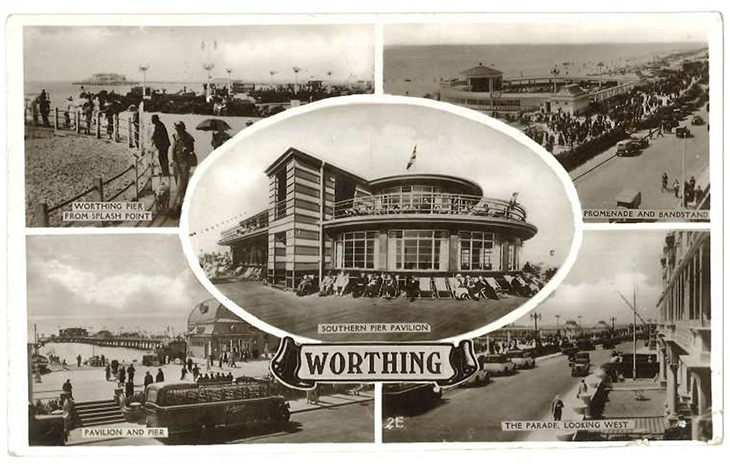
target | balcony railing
x=249, y=225
x=429, y=204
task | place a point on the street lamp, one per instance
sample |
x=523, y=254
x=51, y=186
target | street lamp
x=537, y=317
x=143, y=69
x=229, y=71
x=272, y=73
x=296, y=78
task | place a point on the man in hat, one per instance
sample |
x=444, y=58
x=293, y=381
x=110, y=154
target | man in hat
x=161, y=142
x=183, y=159
x=557, y=408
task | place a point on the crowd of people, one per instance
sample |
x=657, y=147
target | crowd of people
x=563, y=130
x=391, y=285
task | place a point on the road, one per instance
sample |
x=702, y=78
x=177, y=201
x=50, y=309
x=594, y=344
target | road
x=476, y=414
x=344, y=424
x=642, y=172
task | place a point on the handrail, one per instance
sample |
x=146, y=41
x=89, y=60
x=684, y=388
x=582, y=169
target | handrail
x=72, y=199
x=437, y=203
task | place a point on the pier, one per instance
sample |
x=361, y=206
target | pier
x=140, y=343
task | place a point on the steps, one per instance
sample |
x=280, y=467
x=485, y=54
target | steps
x=93, y=413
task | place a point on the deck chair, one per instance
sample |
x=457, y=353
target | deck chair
x=504, y=283
x=425, y=289
x=489, y=292
x=453, y=285
x=496, y=287
x=442, y=289
x=522, y=287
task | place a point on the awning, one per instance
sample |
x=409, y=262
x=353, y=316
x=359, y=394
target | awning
x=696, y=361
x=642, y=426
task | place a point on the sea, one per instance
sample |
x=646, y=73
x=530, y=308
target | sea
x=417, y=70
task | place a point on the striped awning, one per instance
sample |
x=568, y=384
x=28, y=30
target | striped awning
x=642, y=426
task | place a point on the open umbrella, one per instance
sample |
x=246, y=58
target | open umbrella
x=213, y=125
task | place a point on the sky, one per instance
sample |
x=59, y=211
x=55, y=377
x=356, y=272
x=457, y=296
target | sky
x=558, y=29
x=138, y=282
x=176, y=53
x=609, y=262
x=375, y=140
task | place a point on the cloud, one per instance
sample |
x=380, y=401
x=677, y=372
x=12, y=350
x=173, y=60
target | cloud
x=120, y=290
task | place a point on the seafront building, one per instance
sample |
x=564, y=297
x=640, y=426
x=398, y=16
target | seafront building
x=323, y=218
x=214, y=330
x=684, y=330
x=485, y=89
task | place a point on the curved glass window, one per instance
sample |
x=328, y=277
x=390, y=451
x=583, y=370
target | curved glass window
x=418, y=249
x=357, y=249
x=478, y=251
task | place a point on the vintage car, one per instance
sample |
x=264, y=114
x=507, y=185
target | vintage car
x=581, y=365
x=480, y=377
x=184, y=407
x=569, y=349
x=523, y=359
x=498, y=365
x=409, y=398
x=586, y=344
x=682, y=132
x=640, y=143
x=627, y=147
x=697, y=120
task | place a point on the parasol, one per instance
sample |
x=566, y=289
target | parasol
x=213, y=125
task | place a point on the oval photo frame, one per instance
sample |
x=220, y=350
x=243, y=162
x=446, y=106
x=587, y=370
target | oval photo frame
x=344, y=214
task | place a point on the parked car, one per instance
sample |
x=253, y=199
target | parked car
x=409, y=398
x=523, y=359
x=481, y=377
x=682, y=132
x=697, y=120
x=640, y=142
x=498, y=365
x=581, y=364
x=586, y=344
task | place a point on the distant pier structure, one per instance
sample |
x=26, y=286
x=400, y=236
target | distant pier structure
x=140, y=343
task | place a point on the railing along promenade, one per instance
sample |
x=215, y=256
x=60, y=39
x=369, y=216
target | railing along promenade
x=141, y=168
x=429, y=204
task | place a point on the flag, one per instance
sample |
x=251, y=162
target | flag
x=412, y=161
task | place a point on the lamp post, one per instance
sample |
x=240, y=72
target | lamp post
x=229, y=71
x=536, y=317
x=296, y=78
x=557, y=324
x=143, y=69
x=271, y=79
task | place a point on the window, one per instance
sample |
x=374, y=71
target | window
x=479, y=251
x=418, y=250
x=357, y=249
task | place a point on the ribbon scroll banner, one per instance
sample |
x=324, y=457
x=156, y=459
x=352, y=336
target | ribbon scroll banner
x=302, y=366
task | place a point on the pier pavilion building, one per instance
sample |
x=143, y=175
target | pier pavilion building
x=214, y=330
x=486, y=90
x=322, y=218
x=684, y=329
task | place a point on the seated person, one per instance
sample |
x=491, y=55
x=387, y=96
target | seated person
x=373, y=287
x=357, y=285
x=306, y=286
x=390, y=287
x=341, y=282
x=411, y=288
x=461, y=292
x=327, y=285
x=471, y=286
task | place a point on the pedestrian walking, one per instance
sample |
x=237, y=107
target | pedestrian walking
x=130, y=373
x=196, y=372
x=183, y=373
x=148, y=379
x=44, y=104
x=582, y=388
x=68, y=388
x=183, y=160
x=557, y=408
x=160, y=376
x=108, y=372
x=190, y=365
x=129, y=389
x=675, y=186
x=161, y=142
x=78, y=361
x=122, y=375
